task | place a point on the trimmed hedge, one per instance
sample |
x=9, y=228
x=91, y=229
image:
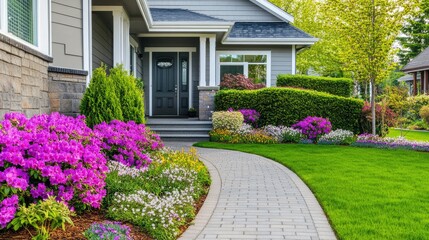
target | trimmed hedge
x=285, y=106
x=337, y=86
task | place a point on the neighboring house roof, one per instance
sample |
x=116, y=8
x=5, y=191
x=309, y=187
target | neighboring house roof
x=406, y=78
x=258, y=32
x=180, y=15
x=420, y=62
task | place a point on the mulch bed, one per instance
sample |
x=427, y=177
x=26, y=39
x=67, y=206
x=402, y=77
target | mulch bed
x=81, y=223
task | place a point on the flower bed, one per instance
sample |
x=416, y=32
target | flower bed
x=49, y=155
x=56, y=155
x=173, y=184
x=369, y=140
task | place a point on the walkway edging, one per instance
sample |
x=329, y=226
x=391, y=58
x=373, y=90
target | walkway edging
x=324, y=229
x=209, y=204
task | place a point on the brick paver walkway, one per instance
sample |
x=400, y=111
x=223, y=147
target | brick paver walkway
x=252, y=197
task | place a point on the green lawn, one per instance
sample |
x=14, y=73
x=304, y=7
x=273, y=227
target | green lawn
x=410, y=135
x=366, y=193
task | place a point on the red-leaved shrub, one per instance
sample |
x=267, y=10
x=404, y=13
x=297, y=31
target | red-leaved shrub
x=239, y=82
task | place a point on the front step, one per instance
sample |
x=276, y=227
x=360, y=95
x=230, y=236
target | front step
x=173, y=129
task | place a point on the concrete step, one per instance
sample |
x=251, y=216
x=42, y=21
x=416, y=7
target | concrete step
x=180, y=129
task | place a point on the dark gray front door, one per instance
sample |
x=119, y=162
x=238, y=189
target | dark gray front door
x=165, y=83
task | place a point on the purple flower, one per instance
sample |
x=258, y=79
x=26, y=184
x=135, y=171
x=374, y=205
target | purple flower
x=8, y=209
x=313, y=127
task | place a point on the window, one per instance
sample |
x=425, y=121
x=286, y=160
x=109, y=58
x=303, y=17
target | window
x=132, y=60
x=27, y=22
x=253, y=64
x=22, y=19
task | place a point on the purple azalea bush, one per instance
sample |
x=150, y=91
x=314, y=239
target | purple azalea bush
x=128, y=143
x=313, y=127
x=251, y=116
x=369, y=140
x=49, y=155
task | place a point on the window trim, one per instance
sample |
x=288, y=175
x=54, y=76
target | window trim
x=43, y=26
x=134, y=45
x=244, y=64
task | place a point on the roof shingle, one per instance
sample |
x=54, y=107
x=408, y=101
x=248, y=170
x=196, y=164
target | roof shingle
x=180, y=15
x=266, y=30
x=420, y=62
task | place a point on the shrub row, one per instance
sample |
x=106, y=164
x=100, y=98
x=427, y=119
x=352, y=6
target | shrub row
x=283, y=106
x=337, y=86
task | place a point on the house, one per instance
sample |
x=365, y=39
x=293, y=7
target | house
x=418, y=68
x=408, y=81
x=180, y=48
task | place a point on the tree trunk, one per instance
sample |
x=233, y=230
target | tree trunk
x=374, y=120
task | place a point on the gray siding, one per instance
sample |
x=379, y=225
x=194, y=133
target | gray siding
x=67, y=33
x=231, y=10
x=281, y=57
x=102, y=42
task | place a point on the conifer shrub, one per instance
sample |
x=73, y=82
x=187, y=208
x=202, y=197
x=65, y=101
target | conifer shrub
x=100, y=102
x=129, y=94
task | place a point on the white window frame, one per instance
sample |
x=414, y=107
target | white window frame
x=135, y=45
x=43, y=26
x=244, y=64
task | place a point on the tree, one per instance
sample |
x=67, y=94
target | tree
x=100, y=103
x=367, y=29
x=322, y=57
x=129, y=94
x=416, y=33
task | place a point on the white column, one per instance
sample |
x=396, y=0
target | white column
x=203, y=41
x=293, y=59
x=117, y=37
x=3, y=15
x=212, y=79
x=126, y=45
x=87, y=39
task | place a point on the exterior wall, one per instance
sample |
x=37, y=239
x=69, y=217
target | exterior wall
x=66, y=90
x=102, y=42
x=236, y=10
x=281, y=57
x=67, y=33
x=171, y=42
x=23, y=79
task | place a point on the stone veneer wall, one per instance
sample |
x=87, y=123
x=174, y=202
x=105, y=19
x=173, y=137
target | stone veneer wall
x=206, y=102
x=23, y=79
x=66, y=88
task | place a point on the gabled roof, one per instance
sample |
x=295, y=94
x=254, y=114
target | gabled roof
x=420, y=62
x=281, y=33
x=266, y=30
x=180, y=15
x=273, y=9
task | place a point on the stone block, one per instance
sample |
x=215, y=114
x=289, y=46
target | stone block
x=206, y=102
x=4, y=56
x=16, y=60
x=15, y=106
x=31, y=112
x=55, y=103
x=16, y=85
x=5, y=47
x=57, y=87
x=26, y=90
x=66, y=105
x=30, y=102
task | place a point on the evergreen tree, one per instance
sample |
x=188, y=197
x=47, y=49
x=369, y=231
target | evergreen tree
x=416, y=32
x=129, y=94
x=100, y=103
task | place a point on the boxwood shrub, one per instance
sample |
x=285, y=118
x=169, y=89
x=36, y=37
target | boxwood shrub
x=285, y=106
x=337, y=86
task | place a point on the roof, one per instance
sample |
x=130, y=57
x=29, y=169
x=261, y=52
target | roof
x=180, y=15
x=420, y=62
x=266, y=30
